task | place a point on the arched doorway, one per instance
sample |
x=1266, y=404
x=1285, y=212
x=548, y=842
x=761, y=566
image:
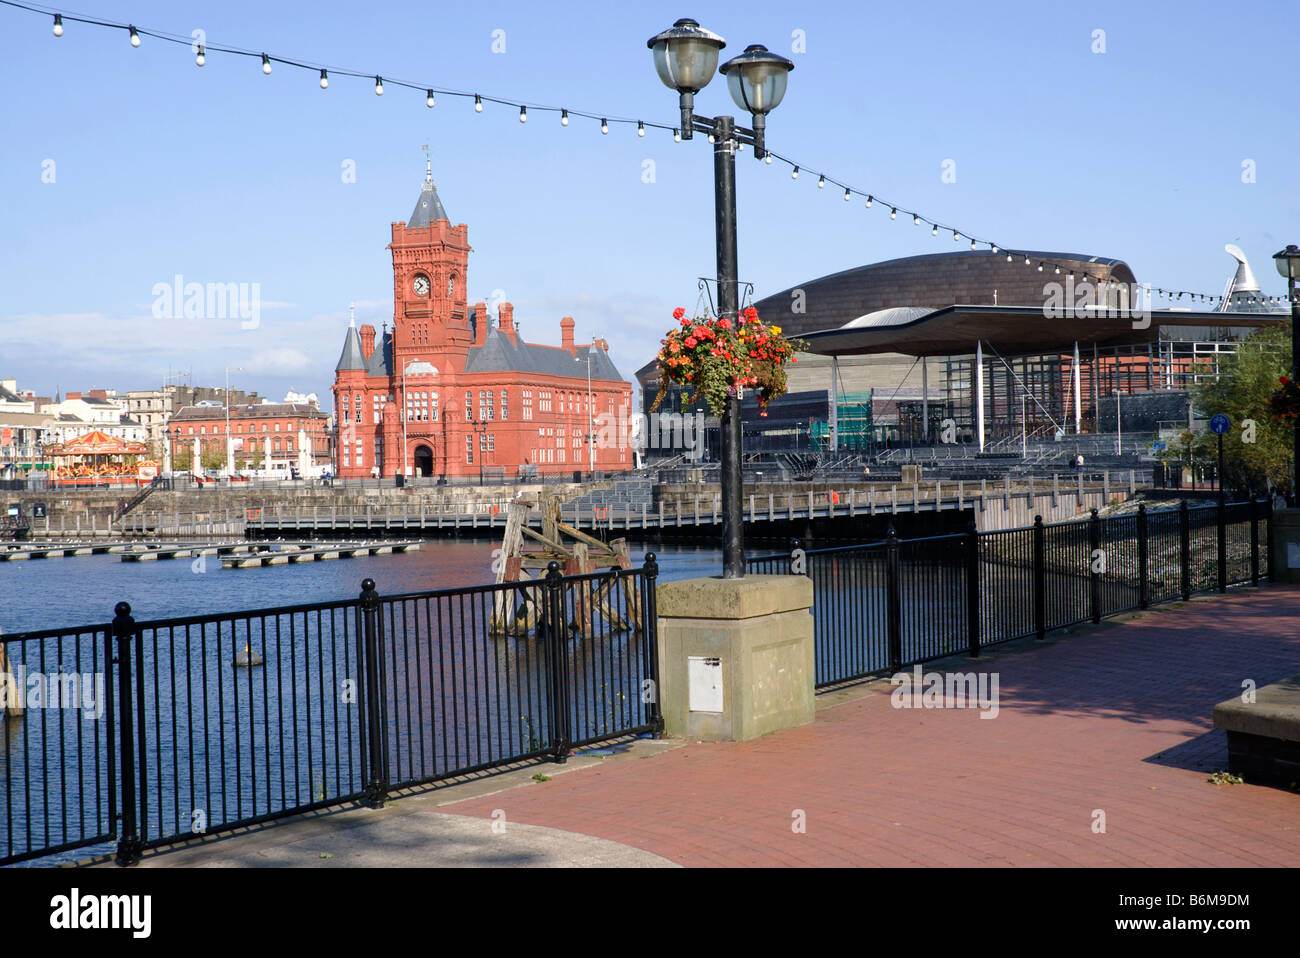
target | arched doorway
x=423, y=460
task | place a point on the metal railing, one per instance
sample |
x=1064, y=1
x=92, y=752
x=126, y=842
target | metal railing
x=884, y=605
x=202, y=724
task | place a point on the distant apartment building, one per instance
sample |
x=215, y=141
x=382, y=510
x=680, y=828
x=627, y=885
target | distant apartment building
x=98, y=409
x=23, y=431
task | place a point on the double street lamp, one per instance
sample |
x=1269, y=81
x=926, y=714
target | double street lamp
x=1288, y=265
x=686, y=57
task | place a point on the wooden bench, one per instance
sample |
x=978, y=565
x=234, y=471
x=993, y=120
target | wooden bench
x=1264, y=735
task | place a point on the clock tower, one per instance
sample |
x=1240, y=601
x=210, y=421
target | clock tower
x=430, y=267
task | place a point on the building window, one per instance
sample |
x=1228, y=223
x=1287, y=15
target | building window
x=469, y=406
x=528, y=404
x=345, y=409
x=360, y=454
x=469, y=450
x=379, y=451
x=491, y=406
x=358, y=409
x=433, y=406
x=505, y=405
x=482, y=442
x=492, y=443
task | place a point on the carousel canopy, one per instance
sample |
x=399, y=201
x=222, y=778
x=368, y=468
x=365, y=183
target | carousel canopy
x=97, y=443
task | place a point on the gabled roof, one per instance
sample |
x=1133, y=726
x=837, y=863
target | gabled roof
x=380, y=362
x=499, y=354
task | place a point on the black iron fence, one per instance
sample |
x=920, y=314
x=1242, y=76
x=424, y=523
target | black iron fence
x=885, y=605
x=146, y=733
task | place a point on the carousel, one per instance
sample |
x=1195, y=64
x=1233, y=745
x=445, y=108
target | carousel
x=97, y=458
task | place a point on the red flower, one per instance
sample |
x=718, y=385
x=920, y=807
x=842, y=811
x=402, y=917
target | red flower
x=751, y=314
x=724, y=323
x=678, y=313
x=691, y=341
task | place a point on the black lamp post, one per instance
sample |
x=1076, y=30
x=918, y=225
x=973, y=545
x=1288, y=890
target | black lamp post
x=480, y=430
x=686, y=57
x=1288, y=264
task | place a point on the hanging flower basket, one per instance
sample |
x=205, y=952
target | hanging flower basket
x=1284, y=404
x=717, y=358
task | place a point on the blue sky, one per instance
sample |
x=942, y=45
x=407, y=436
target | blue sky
x=224, y=175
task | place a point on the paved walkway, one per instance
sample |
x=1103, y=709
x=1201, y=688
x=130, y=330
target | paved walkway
x=1114, y=719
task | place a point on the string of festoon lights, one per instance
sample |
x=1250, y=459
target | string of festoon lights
x=1070, y=270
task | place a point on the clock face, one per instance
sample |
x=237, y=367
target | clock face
x=421, y=286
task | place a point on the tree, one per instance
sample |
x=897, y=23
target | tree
x=1246, y=381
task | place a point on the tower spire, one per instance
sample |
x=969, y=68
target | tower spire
x=428, y=164
x=352, y=315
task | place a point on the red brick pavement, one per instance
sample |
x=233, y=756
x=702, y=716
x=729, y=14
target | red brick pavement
x=1116, y=719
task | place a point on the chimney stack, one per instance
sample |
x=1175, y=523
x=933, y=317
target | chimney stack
x=506, y=324
x=566, y=335
x=481, y=323
x=367, y=340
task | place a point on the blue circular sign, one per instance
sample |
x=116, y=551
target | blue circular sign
x=1219, y=424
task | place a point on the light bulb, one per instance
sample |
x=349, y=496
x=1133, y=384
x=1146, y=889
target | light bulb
x=934, y=229
x=1008, y=257
x=893, y=214
x=266, y=63
x=794, y=174
x=564, y=118
x=640, y=128
x=767, y=158
x=379, y=86
x=916, y=220
x=428, y=99
x=200, y=58
x=711, y=139
x=604, y=125
x=821, y=182
x=956, y=237
x=1040, y=267
x=478, y=103
x=1026, y=260
x=972, y=244
x=324, y=80
x=870, y=199
x=58, y=24
x=1058, y=271
x=677, y=136
x=993, y=247
x=135, y=37
x=740, y=147
x=523, y=114
x=847, y=196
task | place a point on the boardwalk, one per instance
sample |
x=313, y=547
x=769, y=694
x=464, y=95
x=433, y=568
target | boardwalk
x=1115, y=720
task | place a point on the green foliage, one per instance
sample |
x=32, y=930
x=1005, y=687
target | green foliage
x=1246, y=382
x=1225, y=778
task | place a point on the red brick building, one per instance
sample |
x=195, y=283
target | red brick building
x=475, y=395
x=263, y=436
